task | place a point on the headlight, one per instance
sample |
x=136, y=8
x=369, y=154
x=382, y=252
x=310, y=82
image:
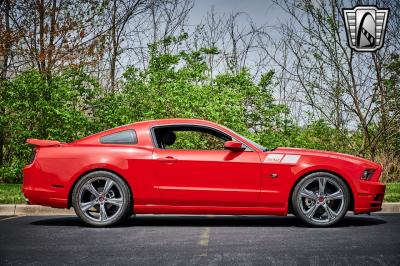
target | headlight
x=367, y=174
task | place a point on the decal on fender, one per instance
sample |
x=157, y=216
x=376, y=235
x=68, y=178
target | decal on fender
x=281, y=158
x=290, y=159
x=273, y=158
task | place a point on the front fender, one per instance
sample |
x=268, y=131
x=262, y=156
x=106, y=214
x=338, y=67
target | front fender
x=343, y=173
x=276, y=192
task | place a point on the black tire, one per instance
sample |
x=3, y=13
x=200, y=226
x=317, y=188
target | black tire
x=116, y=202
x=331, y=209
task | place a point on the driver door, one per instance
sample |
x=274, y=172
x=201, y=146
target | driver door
x=195, y=170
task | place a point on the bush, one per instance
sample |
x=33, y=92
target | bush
x=72, y=104
x=390, y=166
x=35, y=107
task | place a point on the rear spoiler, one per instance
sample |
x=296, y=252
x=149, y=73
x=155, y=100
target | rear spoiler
x=43, y=142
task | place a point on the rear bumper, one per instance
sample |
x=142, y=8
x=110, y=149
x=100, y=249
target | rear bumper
x=38, y=189
x=369, y=197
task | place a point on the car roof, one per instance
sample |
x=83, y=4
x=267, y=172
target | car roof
x=174, y=121
x=143, y=126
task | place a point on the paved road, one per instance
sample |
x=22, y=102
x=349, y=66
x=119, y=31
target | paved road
x=200, y=240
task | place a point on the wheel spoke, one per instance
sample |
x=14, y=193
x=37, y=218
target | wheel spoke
x=321, y=185
x=97, y=198
x=115, y=201
x=322, y=204
x=107, y=186
x=92, y=190
x=305, y=193
x=103, y=213
x=85, y=206
x=331, y=214
x=335, y=196
x=311, y=211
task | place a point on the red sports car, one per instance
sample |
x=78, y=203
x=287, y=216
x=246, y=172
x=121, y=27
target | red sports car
x=190, y=166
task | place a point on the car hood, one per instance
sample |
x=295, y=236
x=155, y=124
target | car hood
x=327, y=154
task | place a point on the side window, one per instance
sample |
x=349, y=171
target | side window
x=197, y=140
x=190, y=138
x=122, y=137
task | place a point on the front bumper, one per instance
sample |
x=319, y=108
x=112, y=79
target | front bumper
x=369, y=197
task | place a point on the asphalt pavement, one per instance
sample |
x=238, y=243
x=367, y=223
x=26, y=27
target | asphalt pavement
x=200, y=240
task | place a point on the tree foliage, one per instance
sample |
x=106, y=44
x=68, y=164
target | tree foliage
x=36, y=108
x=72, y=68
x=177, y=85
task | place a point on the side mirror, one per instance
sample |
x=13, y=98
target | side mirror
x=233, y=145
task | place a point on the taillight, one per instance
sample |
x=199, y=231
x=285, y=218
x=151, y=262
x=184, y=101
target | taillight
x=33, y=155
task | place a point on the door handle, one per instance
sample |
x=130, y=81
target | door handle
x=168, y=159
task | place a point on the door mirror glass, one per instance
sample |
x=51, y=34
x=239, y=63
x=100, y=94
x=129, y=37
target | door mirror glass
x=234, y=146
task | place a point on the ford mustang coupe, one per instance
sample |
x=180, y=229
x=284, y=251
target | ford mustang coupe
x=190, y=166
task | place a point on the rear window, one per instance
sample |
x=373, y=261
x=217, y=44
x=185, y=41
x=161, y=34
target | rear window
x=122, y=137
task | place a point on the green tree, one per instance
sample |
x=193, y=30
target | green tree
x=177, y=85
x=36, y=108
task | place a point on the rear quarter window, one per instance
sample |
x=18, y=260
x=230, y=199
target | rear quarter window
x=122, y=137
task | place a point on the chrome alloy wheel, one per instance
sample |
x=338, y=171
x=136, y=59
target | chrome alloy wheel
x=321, y=199
x=100, y=199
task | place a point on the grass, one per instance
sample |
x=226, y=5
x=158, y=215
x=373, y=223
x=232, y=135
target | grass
x=392, y=193
x=11, y=193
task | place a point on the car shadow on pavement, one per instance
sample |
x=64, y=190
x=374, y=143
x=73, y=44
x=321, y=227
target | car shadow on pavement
x=211, y=221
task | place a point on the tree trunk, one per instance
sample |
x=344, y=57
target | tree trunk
x=382, y=98
x=114, y=46
x=4, y=69
x=51, y=40
x=6, y=42
x=42, y=52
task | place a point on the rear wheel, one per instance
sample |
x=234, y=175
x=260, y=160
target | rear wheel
x=321, y=199
x=101, y=199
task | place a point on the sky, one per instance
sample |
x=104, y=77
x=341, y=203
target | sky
x=261, y=11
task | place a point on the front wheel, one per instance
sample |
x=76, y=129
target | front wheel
x=101, y=199
x=321, y=199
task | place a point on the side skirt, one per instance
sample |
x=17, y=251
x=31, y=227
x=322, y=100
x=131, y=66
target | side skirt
x=169, y=209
